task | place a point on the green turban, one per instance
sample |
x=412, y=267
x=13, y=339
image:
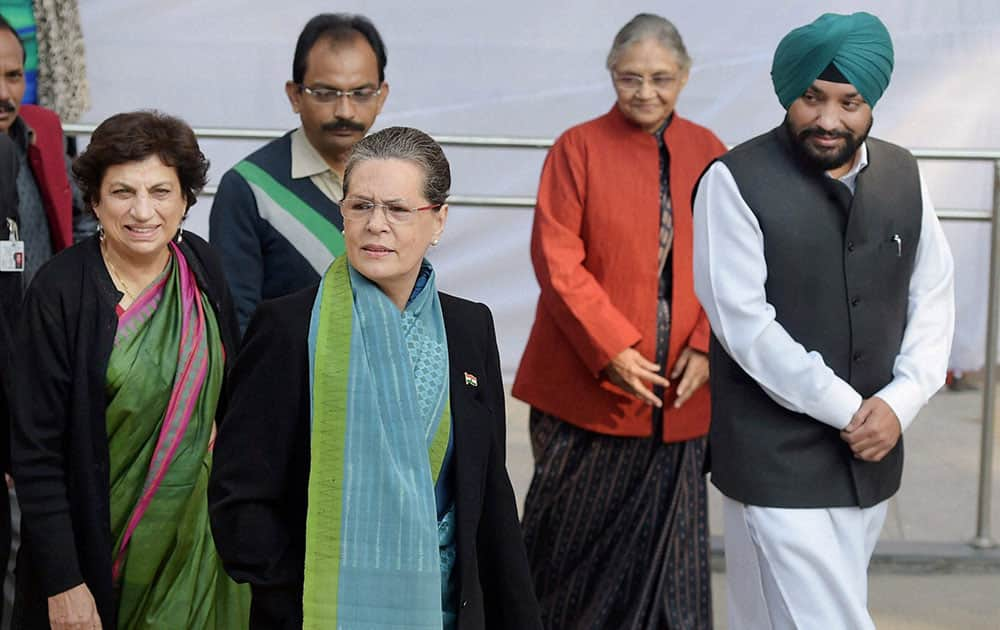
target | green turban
x=858, y=45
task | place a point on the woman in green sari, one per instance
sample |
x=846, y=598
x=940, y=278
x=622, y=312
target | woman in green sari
x=120, y=364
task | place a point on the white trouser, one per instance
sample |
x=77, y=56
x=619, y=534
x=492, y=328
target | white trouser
x=799, y=569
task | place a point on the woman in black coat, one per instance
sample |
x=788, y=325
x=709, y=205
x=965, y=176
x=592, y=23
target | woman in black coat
x=370, y=411
x=118, y=368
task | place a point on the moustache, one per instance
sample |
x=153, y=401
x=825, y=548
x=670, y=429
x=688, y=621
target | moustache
x=7, y=106
x=823, y=133
x=342, y=124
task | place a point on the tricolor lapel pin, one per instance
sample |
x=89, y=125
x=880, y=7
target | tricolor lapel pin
x=470, y=379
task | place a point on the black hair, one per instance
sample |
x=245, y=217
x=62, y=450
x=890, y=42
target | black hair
x=134, y=136
x=833, y=74
x=5, y=26
x=338, y=27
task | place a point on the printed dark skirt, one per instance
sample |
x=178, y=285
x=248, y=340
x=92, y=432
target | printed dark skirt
x=617, y=530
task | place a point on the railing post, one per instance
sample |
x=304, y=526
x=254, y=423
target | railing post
x=983, y=539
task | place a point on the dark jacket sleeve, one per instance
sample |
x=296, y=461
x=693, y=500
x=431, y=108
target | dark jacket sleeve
x=10, y=301
x=508, y=593
x=231, y=338
x=260, y=467
x=5, y=342
x=227, y=315
x=10, y=293
x=217, y=289
x=42, y=383
x=234, y=232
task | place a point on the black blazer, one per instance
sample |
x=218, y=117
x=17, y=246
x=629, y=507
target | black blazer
x=59, y=436
x=258, y=490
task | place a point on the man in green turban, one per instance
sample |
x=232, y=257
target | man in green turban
x=826, y=277
x=857, y=46
x=845, y=57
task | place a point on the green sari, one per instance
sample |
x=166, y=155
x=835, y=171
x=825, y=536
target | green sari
x=163, y=384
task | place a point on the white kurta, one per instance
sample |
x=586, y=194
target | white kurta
x=729, y=275
x=770, y=577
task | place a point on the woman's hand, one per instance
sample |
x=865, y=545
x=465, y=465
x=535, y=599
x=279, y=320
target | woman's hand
x=694, y=367
x=74, y=610
x=629, y=369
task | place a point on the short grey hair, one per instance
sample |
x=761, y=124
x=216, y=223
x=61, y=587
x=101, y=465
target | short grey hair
x=649, y=26
x=411, y=145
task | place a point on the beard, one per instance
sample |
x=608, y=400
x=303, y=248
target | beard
x=821, y=158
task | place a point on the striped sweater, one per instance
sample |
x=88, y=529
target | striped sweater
x=275, y=234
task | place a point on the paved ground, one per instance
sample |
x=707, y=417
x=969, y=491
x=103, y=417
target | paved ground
x=933, y=516
x=911, y=602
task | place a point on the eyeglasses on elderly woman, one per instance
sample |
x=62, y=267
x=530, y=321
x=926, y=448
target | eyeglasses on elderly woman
x=634, y=82
x=361, y=209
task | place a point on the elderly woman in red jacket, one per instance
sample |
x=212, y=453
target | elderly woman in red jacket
x=615, y=367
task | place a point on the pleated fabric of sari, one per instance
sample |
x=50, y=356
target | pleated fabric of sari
x=163, y=383
x=380, y=431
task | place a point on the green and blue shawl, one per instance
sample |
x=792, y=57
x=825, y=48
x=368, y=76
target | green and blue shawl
x=380, y=427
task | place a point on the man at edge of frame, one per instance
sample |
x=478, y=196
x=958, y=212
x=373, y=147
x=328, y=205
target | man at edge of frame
x=828, y=282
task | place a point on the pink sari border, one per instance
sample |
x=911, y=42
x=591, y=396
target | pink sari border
x=180, y=408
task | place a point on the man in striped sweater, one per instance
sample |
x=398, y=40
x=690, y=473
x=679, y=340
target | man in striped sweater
x=275, y=219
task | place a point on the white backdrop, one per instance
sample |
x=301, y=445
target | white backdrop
x=525, y=68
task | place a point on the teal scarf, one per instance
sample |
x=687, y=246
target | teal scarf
x=380, y=429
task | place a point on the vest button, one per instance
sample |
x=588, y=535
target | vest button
x=855, y=301
x=850, y=246
x=857, y=356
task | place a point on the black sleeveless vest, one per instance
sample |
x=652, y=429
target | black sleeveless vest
x=838, y=274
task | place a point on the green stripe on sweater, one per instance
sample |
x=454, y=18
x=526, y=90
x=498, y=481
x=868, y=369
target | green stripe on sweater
x=313, y=221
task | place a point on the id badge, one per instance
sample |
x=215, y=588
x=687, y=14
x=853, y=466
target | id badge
x=12, y=256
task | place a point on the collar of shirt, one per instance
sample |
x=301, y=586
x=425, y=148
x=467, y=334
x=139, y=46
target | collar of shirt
x=307, y=162
x=850, y=179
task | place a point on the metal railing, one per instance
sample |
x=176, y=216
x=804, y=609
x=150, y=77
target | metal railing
x=983, y=538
